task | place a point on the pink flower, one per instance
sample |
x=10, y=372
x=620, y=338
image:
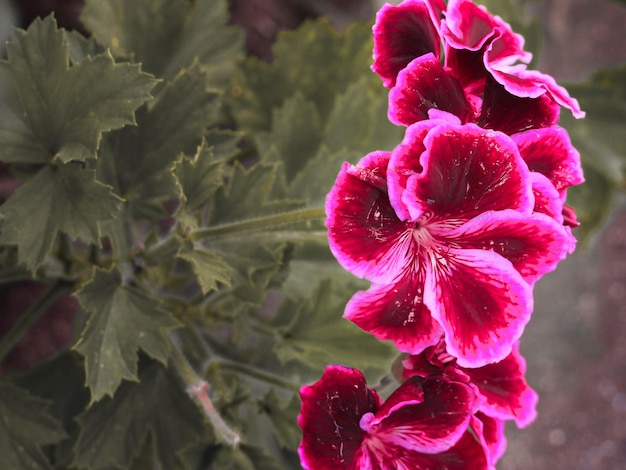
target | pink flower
x=444, y=229
x=478, y=48
x=502, y=388
x=423, y=424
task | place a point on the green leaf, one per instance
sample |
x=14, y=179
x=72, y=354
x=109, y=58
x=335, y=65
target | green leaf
x=123, y=320
x=63, y=199
x=61, y=380
x=60, y=111
x=197, y=179
x=168, y=35
x=244, y=457
x=211, y=270
x=114, y=430
x=283, y=416
x=314, y=60
x=296, y=132
x=601, y=140
x=247, y=195
x=25, y=426
x=136, y=160
x=314, y=333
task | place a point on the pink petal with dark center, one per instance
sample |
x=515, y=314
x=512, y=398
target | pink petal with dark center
x=364, y=233
x=428, y=423
x=468, y=68
x=481, y=301
x=533, y=244
x=396, y=312
x=530, y=113
x=329, y=419
x=550, y=152
x=402, y=33
x=530, y=84
x=548, y=201
x=467, y=170
x=423, y=85
x=505, y=390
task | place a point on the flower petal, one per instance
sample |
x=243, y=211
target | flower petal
x=548, y=201
x=481, y=301
x=423, y=85
x=520, y=81
x=467, y=170
x=402, y=33
x=530, y=113
x=550, y=152
x=396, y=312
x=491, y=432
x=430, y=424
x=505, y=390
x=533, y=244
x=364, y=233
x=329, y=419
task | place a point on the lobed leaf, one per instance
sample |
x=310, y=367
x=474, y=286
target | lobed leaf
x=314, y=333
x=54, y=110
x=62, y=199
x=114, y=430
x=283, y=415
x=25, y=426
x=123, y=319
x=167, y=36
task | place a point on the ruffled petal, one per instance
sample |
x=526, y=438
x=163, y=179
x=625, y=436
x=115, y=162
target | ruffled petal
x=481, y=301
x=423, y=85
x=530, y=113
x=467, y=170
x=329, y=419
x=427, y=416
x=505, y=390
x=548, y=201
x=533, y=244
x=402, y=33
x=491, y=433
x=396, y=312
x=550, y=152
x=364, y=233
x=470, y=26
x=520, y=81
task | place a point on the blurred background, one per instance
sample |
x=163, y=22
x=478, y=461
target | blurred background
x=575, y=345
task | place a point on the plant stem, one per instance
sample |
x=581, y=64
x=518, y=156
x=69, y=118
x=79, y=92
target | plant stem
x=259, y=223
x=58, y=290
x=198, y=390
x=255, y=373
x=161, y=250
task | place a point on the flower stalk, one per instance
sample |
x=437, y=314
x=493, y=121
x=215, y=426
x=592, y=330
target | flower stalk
x=198, y=389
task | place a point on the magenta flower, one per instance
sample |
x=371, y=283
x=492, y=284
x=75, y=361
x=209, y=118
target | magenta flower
x=423, y=424
x=502, y=388
x=477, y=48
x=444, y=229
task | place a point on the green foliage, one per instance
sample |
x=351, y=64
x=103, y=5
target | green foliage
x=114, y=430
x=123, y=320
x=58, y=199
x=601, y=141
x=25, y=427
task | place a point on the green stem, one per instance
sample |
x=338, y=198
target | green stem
x=259, y=223
x=255, y=373
x=198, y=389
x=58, y=290
x=168, y=247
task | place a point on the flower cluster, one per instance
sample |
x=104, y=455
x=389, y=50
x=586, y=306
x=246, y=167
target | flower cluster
x=452, y=228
